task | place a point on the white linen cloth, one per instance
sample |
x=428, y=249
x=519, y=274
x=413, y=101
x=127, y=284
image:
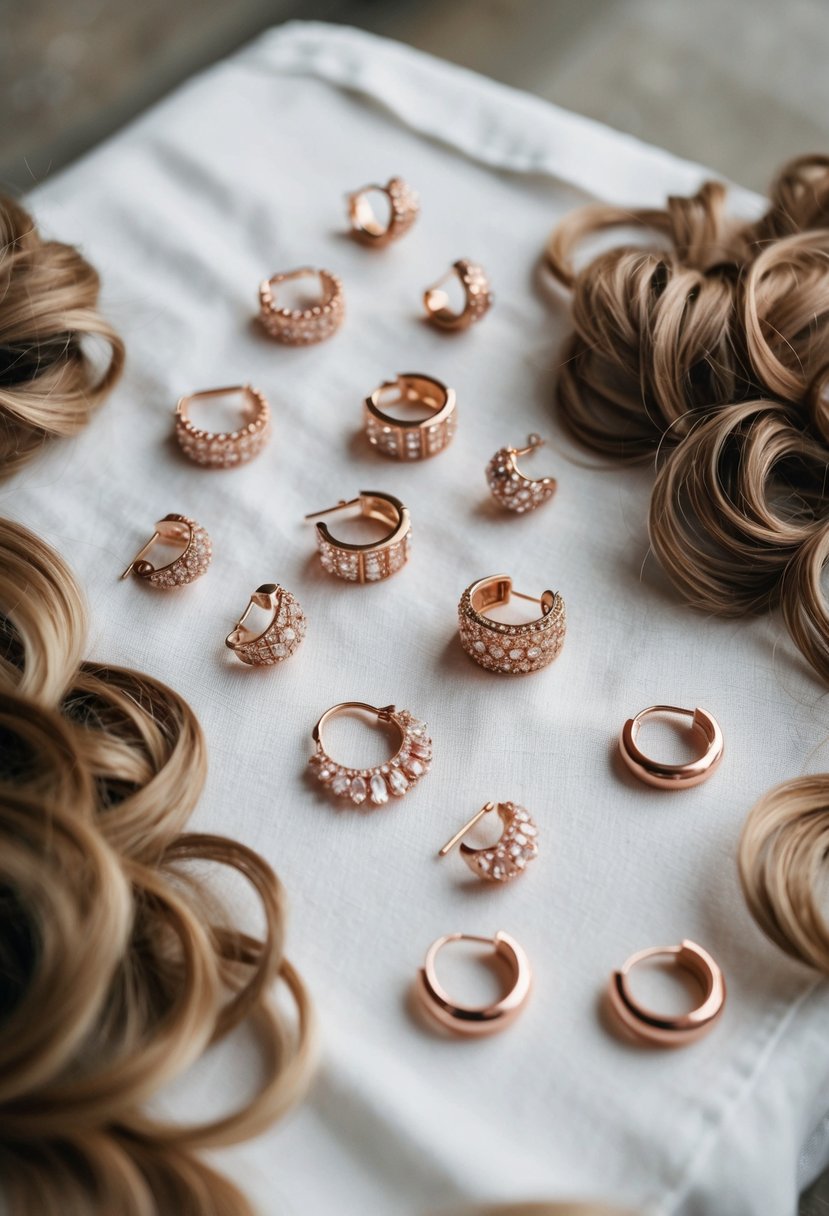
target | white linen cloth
x=242, y=173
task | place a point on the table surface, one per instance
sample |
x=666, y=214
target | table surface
x=240, y=174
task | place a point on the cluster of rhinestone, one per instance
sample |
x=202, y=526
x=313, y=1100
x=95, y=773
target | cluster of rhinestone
x=225, y=449
x=411, y=762
x=405, y=207
x=364, y=565
x=280, y=639
x=303, y=326
x=511, y=648
x=415, y=441
x=512, y=489
x=515, y=848
x=189, y=566
x=476, y=286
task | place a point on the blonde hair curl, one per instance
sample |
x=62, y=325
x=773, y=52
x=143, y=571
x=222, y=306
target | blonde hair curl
x=120, y=964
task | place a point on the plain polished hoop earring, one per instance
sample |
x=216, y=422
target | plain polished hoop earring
x=661, y=1029
x=280, y=637
x=395, y=777
x=510, y=487
x=302, y=326
x=509, y=856
x=190, y=564
x=471, y=1020
x=224, y=449
x=366, y=226
x=477, y=295
x=511, y=649
x=374, y=560
x=416, y=439
x=673, y=776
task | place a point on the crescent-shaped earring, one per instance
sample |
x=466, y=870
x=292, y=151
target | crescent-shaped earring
x=280, y=637
x=189, y=565
x=508, y=857
x=511, y=488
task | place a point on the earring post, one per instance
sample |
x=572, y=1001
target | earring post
x=155, y=536
x=450, y=844
x=341, y=506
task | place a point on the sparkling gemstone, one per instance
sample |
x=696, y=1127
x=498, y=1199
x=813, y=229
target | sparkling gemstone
x=341, y=784
x=414, y=768
x=379, y=791
x=496, y=652
x=480, y=647
x=515, y=653
x=397, y=782
x=358, y=790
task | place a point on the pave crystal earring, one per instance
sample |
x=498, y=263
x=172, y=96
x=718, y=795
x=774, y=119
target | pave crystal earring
x=189, y=565
x=511, y=488
x=395, y=777
x=508, y=857
x=281, y=635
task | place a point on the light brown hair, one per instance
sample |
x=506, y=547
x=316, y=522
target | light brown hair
x=59, y=358
x=120, y=965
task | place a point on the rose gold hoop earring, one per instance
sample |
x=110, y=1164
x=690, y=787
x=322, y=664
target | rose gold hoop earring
x=404, y=208
x=189, y=565
x=673, y=776
x=510, y=487
x=280, y=637
x=510, y=648
x=419, y=438
x=396, y=776
x=375, y=560
x=477, y=293
x=224, y=449
x=509, y=856
x=302, y=326
x=470, y=1020
x=661, y=1029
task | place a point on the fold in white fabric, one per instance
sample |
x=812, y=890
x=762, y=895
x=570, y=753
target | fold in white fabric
x=240, y=174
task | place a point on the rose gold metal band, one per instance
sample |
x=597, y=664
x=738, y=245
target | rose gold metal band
x=402, y=439
x=673, y=776
x=477, y=293
x=224, y=449
x=375, y=560
x=302, y=326
x=404, y=208
x=664, y=1030
x=467, y=1020
x=510, y=648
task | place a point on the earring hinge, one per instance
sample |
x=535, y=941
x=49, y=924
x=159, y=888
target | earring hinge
x=155, y=536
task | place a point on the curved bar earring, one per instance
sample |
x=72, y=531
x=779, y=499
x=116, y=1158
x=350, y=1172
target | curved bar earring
x=411, y=761
x=404, y=208
x=374, y=560
x=661, y=1029
x=188, y=566
x=477, y=295
x=511, y=488
x=513, y=850
x=673, y=776
x=280, y=637
x=472, y=1020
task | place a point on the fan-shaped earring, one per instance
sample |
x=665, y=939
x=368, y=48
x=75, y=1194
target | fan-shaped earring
x=508, y=857
x=280, y=637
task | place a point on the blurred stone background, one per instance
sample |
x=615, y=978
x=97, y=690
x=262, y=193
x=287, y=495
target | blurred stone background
x=740, y=87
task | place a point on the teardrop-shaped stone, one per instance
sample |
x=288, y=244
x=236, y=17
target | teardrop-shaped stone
x=358, y=790
x=341, y=784
x=414, y=767
x=397, y=782
x=379, y=791
x=421, y=748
